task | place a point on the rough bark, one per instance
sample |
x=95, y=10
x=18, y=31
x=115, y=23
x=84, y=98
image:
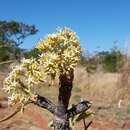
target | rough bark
x=45, y=103
x=65, y=87
x=79, y=108
x=61, y=119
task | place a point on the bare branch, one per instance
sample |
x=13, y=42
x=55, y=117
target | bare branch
x=79, y=108
x=45, y=103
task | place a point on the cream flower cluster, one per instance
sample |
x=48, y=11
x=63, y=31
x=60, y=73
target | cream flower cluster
x=60, y=53
x=19, y=82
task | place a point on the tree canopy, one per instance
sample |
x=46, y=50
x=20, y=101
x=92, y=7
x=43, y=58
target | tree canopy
x=12, y=35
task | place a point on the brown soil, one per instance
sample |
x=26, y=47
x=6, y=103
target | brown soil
x=33, y=119
x=106, y=125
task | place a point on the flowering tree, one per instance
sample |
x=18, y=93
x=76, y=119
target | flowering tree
x=60, y=53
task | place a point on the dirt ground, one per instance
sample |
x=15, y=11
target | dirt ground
x=34, y=119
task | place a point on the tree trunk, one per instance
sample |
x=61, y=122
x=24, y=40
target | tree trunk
x=61, y=123
x=61, y=119
x=61, y=112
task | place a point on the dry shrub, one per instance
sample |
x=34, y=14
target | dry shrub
x=124, y=78
x=99, y=86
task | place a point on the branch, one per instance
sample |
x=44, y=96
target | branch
x=45, y=103
x=18, y=109
x=86, y=126
x=79, y=108
x=7, y=62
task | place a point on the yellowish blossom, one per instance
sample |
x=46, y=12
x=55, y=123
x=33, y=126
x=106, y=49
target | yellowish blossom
x=60, y=53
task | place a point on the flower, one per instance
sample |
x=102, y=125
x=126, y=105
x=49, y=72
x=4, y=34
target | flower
x=60, y=52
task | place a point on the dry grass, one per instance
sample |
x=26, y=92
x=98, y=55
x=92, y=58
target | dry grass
x=99, y=86
x=104, y=91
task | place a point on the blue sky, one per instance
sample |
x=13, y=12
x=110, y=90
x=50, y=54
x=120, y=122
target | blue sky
x=97, y=22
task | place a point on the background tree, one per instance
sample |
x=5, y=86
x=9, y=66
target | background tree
x=12, y=35
x=108, y=61
x=112, y=60
x=33, y=53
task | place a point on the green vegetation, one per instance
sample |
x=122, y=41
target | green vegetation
x=33, y=53
x=112, y=60
x=107, y=61
x=128, y=108
x=12, y=35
